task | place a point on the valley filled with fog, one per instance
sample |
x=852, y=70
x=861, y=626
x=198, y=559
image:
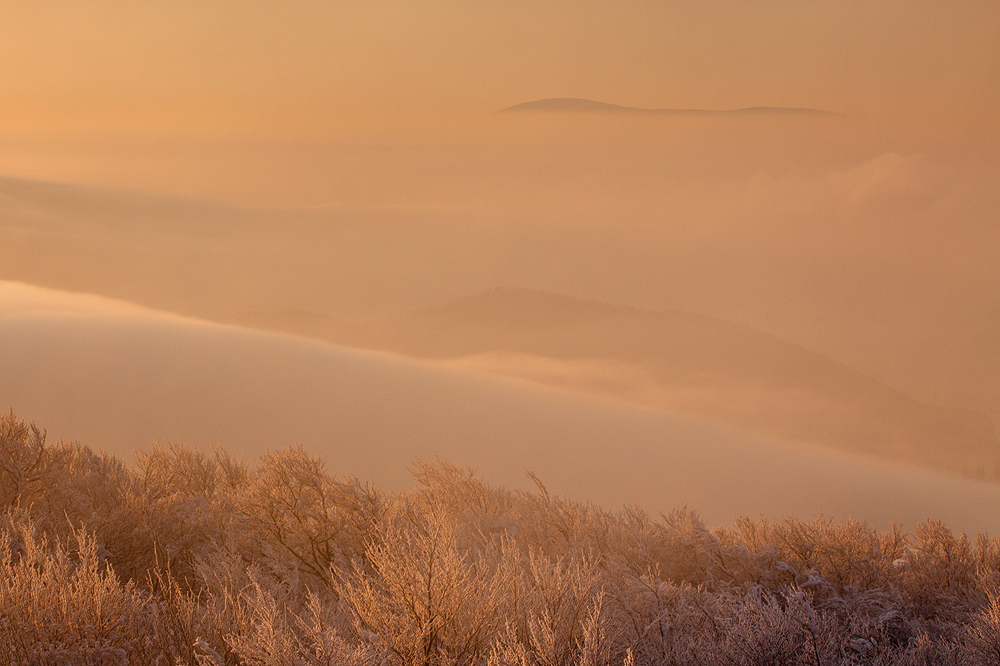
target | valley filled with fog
x=119, y=377
x=819, y=279
x=509, y=333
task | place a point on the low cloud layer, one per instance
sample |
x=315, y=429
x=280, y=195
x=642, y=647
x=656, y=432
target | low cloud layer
x=116, y=380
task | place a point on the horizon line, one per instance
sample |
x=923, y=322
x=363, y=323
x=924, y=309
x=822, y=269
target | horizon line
x=582, y=105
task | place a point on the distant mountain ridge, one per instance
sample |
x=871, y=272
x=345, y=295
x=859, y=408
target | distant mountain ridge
x=580, y=105
x=675, y=361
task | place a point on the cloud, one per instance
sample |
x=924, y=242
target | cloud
x=123, y=381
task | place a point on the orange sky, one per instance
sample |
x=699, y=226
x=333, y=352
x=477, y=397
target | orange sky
x=310, y=68
x=351, y=165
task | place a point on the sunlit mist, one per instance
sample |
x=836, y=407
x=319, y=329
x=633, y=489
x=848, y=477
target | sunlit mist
x=477, y=333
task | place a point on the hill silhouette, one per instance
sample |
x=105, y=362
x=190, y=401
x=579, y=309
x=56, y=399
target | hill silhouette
x=580, y=105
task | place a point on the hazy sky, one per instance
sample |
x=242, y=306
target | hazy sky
x=311, y=67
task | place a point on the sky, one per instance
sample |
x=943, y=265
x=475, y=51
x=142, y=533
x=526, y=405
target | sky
x=311, y=69
x=344, y=161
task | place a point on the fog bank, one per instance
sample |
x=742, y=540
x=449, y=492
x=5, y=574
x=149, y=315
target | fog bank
x=116, y=378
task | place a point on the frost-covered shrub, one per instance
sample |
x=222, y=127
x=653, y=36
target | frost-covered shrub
x=61, y=604
x=423, y=595
x=292, y=508
x=190, y=557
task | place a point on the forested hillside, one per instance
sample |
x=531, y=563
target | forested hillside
x=193, y=558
